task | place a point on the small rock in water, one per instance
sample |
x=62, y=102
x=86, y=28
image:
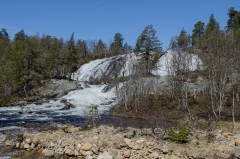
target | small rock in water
x=68, y=106
x=63, y=100
x=25, y=110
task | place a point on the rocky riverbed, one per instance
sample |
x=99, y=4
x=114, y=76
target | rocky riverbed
x=106, y=142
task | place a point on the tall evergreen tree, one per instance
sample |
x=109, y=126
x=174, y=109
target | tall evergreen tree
x=233, y=23
x=3, y=33
x=149, y=46
x=15, y=58
x=4, y=42
x=198, y=32
x=101, y=48
x=212, y=25
x=71, y=56
x=20, y=35
x=82, y=51
x=53, y=59
x=116, y=46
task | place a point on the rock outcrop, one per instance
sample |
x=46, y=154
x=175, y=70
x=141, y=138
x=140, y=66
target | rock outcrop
x=57, y=88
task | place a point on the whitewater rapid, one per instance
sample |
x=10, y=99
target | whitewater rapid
x=51, y=111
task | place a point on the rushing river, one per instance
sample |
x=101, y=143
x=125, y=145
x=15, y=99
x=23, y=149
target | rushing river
x=49, y=115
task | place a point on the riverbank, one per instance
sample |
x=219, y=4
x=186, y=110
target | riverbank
x=107, y=142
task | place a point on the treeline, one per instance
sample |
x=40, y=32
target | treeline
x=27, y=60
x=218, y=92
x=219, y=51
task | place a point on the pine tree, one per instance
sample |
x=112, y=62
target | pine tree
x=20, y=35
x=71, y=56
x=116, y=46
x=197, y=33
x=233, y=23
x=101, y=48
x=149, y=47
x=82, y=50
x=3, y=33
x=4, y=42
x=212, y=26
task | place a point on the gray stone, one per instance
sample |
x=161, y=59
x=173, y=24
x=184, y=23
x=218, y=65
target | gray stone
x=238, y=136
x=60, y=150
x=76, y=153
x=154, y=155
x=237, y=142
x=7, y=143
x=26, y=146
x=136, y=147
x=165, y=150
x=33, y=145
x=55, y=88
x=129, y=135
x=63, y=100
x=113, y=152
x=17, y=145
x=140, y=141
x=173, y=157
x=52, y=144
x=71, y=130
x=119, y=157
x=94, y=150
x=69, y=152
x=28, y=141
x=127, y=141
x=104, y=155
x=25, y=110
x=88, y=157
x=86, y=147
x=48, y=153
x=236, y=152
x=127, y=153
x=88, y=153
x=68, y=106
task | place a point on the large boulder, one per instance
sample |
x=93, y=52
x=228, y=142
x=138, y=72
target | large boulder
x=55, y=88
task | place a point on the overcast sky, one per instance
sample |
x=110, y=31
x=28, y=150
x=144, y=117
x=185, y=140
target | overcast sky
x=101, y=19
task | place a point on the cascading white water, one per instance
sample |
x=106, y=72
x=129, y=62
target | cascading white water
x=82, y=99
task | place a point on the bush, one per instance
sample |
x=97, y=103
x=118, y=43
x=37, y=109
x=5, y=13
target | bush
x=93, y=117
x=179, y=133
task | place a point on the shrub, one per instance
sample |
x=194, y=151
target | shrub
x=179, y=133
x=93, y=117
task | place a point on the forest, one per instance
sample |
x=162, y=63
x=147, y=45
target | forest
x=28, y=60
